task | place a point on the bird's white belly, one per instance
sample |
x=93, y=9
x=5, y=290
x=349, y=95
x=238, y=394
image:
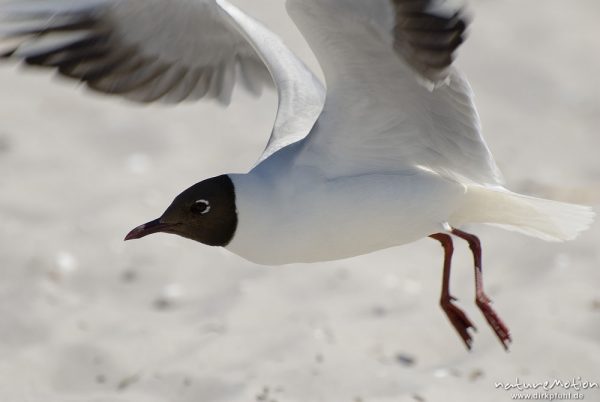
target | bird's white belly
x=333, y=219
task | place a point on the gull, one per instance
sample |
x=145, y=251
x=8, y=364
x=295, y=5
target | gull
x=389, y=152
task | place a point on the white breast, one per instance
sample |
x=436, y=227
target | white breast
x=299, y=216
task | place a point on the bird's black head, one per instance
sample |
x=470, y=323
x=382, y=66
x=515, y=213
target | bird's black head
x=205, y=212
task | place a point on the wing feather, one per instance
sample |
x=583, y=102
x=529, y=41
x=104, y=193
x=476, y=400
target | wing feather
x=95, y=42
x=163, y=50
x=394, y=100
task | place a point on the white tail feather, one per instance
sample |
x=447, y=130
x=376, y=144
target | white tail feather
x=545, y=219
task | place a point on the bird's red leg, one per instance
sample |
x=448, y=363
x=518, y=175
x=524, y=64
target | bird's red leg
x=483, y=302
x=457, y=317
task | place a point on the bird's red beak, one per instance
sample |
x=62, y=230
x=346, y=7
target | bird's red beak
x=154, y=226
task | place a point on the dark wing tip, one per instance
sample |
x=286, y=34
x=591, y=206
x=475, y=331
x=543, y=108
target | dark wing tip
x=427, y=39
x=88, y=41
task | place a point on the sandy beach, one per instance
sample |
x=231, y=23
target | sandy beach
x=86, y=317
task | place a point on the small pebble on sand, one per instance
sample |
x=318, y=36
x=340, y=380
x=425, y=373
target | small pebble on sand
x=405, y=359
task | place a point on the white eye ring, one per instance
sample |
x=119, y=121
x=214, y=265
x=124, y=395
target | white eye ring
x=206, y=206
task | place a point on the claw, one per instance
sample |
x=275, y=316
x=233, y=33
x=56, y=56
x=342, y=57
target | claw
x=459, y=321
x=498, y=326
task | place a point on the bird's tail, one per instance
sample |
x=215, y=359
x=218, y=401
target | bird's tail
x=545, y=219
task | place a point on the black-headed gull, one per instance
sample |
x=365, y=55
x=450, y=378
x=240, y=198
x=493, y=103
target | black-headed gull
x=390, y=153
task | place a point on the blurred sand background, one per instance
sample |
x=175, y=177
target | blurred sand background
x=87, y=317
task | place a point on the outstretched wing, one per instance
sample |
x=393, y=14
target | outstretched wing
x=394, y=100
x=167, y=50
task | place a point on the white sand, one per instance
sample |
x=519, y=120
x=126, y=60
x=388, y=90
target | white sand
x=87, y=317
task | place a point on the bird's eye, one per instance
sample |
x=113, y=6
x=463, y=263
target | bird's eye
x=200, y=207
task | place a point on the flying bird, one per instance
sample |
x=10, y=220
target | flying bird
x=390, y=152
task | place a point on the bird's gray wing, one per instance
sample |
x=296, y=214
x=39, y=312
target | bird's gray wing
x=162, y=50
x=394, y=100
